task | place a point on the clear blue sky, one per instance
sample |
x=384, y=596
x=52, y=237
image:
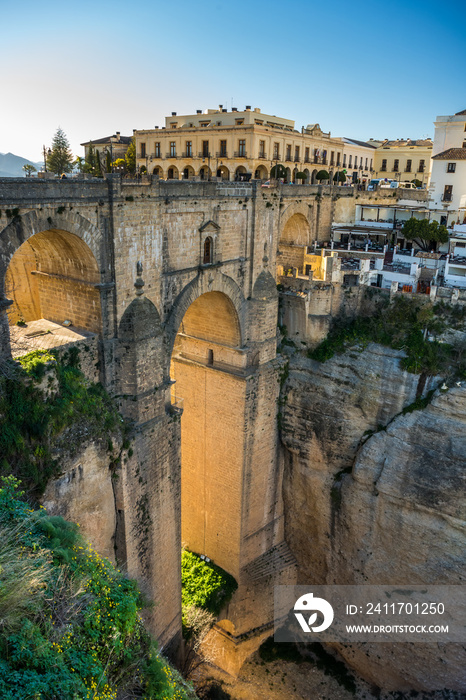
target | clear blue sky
x=360, y=69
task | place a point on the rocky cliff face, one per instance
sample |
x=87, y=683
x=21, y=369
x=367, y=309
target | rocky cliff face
x=377, y=507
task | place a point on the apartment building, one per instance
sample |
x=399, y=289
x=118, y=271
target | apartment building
x=403, y=159
x=448, y=180
x=239, y=145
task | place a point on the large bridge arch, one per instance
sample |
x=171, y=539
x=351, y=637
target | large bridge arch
x=50, y=272
x=208, y=281
x=23, y=227
x=294, y=236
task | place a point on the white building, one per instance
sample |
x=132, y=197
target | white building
x=448, y=180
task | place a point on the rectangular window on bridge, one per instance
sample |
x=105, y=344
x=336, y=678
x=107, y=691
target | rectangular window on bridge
x=205, y=149
x=261, y=149
x=172, y=149
x=396, y=165
x=223, y=149
x=306, y=155
x=276, y=151
x=143, y=150
x=189, y=149
x=296, y=154
x=242, y=147
x=157, y=149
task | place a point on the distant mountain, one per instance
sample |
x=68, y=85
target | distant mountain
x=12, y=166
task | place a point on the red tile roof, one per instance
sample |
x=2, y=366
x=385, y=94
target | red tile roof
x=451, y=154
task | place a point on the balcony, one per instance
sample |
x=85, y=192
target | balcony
x=288, y=158
x=407, y=170
x=276, y=156
x=156, y=155
x=204, y=154
x=447, y=198
x=307, y=159
x=187, y=154
x=240, y=154
x=324, y=161
x=383, y=170
x=171, y=155
x=221, y=154
x=262, y=155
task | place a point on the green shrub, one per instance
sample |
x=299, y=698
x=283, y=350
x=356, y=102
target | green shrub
x=70, y=623
x=31, y=426
x=204, y=585
x=403, y=325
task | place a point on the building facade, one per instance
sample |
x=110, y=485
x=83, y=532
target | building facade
x=448, y=180
x=233, y=145
x=403, y=160
x=116, y=145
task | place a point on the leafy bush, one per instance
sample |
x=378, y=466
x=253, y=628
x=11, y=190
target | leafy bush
x=30, y=426
x=71, y=630
x=402, y=325
x=204, y=585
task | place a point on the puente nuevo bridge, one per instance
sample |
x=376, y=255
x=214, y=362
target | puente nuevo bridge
x=177, y=282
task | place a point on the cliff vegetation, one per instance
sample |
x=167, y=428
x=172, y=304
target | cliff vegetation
x=70, y=625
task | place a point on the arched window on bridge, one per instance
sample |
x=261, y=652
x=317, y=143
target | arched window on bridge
x=207, y=259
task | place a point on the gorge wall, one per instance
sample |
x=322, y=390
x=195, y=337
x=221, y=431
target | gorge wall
x=375, y=496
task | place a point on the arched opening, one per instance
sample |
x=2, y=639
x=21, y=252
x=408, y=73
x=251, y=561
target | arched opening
x=188, y=172
x=287, y=175
x=157, y=171
x=307, y=174
x=314, y=177
x=261, y=173
x=223, y=172
x=205, y=173
x=241, y=174
x=205, y=369
x=52, y=280
x=172, y=173
x=294, y=238
x=207, y=258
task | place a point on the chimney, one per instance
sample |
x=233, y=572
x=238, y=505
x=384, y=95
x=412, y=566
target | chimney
x=248, y=108
x=198, y=111
x=224, y=110
x=156, y=127
x=234, y=109
x=118, y=135
x=220, y=107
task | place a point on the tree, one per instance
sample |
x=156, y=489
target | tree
x=80, y=164
x=60, y=159
x=340, y=176
x=29, y=168
x=322, y=175
x=91, y=165
x=301, y=176
x=119, y=165
x=130, y=157
x=426, y=234
x=278, y=171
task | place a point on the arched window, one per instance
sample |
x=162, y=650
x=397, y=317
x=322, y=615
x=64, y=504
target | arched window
x=207, y=251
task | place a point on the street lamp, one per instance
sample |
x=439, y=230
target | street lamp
x=47, y=153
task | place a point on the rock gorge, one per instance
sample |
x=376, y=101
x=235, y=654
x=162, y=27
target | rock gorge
x=375, y=496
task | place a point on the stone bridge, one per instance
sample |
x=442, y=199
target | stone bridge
x=177, y=281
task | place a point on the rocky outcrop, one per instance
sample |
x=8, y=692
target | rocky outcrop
x=84, y=493
x=382, y=507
